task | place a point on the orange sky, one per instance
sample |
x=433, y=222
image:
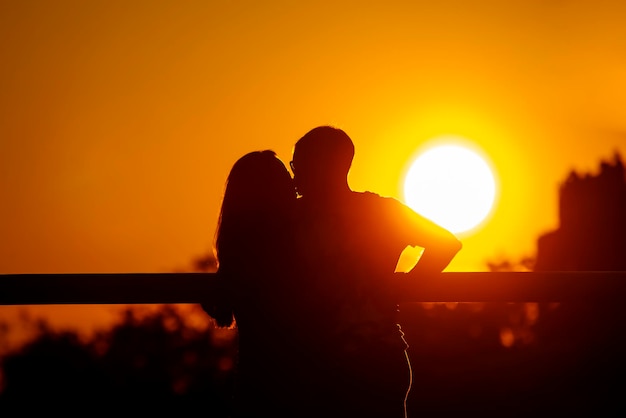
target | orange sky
x=120, y=120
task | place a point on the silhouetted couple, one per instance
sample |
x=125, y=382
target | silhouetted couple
x=306, y=272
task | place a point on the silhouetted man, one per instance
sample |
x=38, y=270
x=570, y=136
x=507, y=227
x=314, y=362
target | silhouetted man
x=350, y=245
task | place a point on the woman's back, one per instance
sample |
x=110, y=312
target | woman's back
x=254, y=249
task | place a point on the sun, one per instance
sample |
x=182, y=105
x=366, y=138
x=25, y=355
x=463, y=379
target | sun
x=452, y=185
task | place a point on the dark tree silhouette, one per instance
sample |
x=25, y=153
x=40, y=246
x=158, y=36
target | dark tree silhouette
x=150, y=363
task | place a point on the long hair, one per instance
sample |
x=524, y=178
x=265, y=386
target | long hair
x=258, y=200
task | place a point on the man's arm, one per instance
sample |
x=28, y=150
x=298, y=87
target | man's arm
x=440, y=245
x=435, y=260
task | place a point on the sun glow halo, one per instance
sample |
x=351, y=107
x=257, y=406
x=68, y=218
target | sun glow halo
x=451, y=185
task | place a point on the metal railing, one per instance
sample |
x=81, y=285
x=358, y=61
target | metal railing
x=148, y=288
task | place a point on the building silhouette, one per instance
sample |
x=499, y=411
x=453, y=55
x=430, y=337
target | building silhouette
x=592, y=216
x=583, y=343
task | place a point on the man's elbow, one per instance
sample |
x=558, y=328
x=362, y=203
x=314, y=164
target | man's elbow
x=457, y=246
x=453, y=246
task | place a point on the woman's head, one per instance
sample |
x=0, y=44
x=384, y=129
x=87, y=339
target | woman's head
x=259, y=191
x=258, y=181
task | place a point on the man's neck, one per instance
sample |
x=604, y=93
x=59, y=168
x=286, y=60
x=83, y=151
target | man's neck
x=328, y=197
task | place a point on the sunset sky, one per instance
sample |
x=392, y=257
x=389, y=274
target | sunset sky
x=119, y=120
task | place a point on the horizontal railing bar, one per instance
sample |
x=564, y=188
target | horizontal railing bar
x=104, y=288
x=554, y=286
x=157, y=288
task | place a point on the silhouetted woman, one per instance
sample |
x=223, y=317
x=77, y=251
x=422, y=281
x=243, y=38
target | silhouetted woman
x=253, y=248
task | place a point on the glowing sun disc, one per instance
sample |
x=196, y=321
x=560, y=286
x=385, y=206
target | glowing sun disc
x=451, y=185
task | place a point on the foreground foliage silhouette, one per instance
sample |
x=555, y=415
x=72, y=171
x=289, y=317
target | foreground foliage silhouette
x=157, y=362
x=148, y=362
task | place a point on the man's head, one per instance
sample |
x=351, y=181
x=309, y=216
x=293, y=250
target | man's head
x=322, y=160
